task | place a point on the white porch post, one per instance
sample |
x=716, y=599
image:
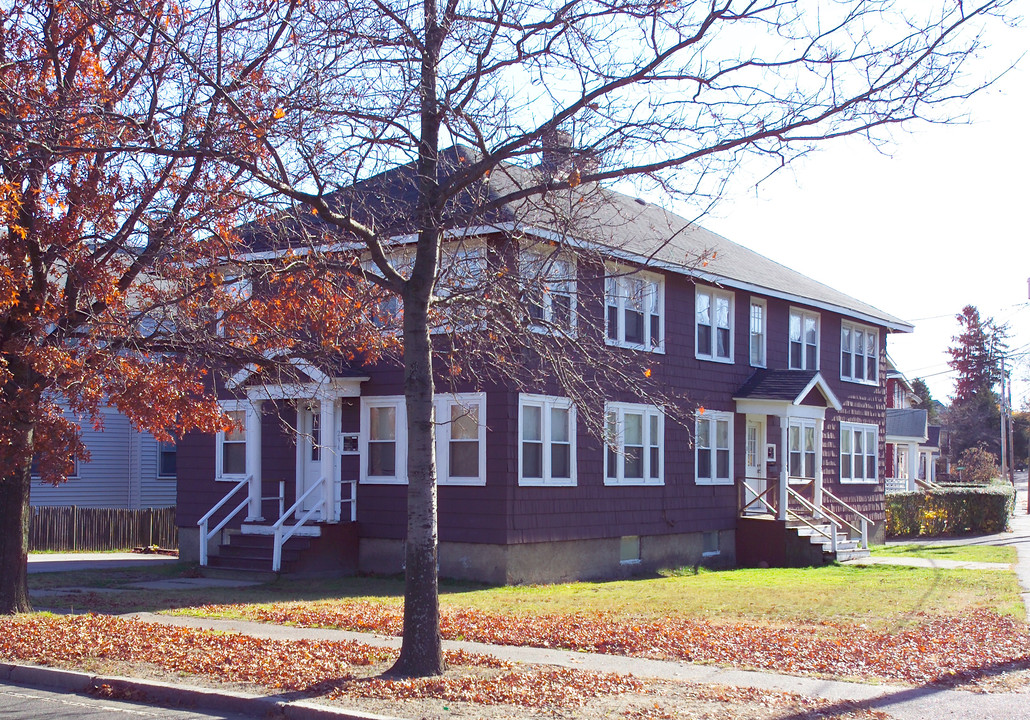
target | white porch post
x=253, y=460
x=913, y=466
x=817, y=491
x=784, y=467
x=328, y=422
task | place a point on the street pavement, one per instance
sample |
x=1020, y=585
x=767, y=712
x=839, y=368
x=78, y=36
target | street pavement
x=901, y=702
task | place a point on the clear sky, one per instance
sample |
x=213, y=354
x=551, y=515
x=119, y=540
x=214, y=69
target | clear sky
x=934, y=222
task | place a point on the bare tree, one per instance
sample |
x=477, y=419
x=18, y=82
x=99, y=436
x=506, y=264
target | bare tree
x=546, y=105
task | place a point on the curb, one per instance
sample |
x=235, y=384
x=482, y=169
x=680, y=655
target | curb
x=171, y=695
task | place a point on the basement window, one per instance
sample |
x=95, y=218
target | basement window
x=629, y=550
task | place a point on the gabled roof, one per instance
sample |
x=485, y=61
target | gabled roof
x=625, y=227
x=789, y=386
x=907, y=423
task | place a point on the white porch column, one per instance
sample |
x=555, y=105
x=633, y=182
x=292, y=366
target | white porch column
x=784, y=467
x=817, y=490
x=253, y=460
x=328, y=422
x=913, y=466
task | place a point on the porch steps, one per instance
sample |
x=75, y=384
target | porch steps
x=329, y=549
x=847, y=548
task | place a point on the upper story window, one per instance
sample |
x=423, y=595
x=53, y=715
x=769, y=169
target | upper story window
x=634, y=305
x=714, y=323
x=804, y=340
x=859, y=353
x=858, y=451
x=634, y=444
x=231, y=445
x=166, y=456
x=547, y=440
x=549, y=290
x=713, y=448
x=756, y=332
x=461, y=439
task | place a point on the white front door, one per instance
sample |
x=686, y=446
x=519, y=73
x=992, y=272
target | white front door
x=754, y=464
x=309, y=450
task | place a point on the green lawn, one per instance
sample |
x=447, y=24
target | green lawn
x=965, y=553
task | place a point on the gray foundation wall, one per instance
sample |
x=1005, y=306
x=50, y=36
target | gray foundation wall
x=552, y=562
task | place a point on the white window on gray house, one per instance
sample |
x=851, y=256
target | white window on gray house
x=756, y=332
x=859, y=353
x=859, y=449
x=634, y=309
x=166, y=457
x=804, y=340
x=713, y=448
x=547, y=440
x=634, y=444
x=713, y=310
x=231, y=445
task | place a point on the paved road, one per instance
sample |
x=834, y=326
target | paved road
x=24, y=703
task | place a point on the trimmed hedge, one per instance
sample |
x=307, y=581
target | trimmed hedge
x=950, y=511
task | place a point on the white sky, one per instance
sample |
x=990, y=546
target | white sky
x=938, y=224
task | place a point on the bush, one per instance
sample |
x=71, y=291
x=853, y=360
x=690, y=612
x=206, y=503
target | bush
x=978, y=466
x=950, y=511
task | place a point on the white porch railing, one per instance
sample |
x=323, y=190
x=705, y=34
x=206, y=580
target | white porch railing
x=863, y=521
x=896, y=485
x=282, y=534
x=816, y=512
x=205, y=534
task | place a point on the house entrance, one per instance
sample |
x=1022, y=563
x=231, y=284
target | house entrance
x=309, y=451
x=754, y=464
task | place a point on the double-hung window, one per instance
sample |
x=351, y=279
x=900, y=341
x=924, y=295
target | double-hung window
x=859, y=353
x=231, y=444
x=166, y=456
x=634, y=310
x=713, y=311
x=634, y=444
x=547, y=440
x=801, y=449
x=804, y=340
x=383, y=440
x=713, y=448
x=461, y=439
x=549, y=290
x=858, y=452
x=756, y=332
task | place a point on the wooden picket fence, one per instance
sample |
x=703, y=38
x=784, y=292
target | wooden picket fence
x=79, y=529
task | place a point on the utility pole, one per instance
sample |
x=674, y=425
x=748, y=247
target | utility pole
x=1001, y=414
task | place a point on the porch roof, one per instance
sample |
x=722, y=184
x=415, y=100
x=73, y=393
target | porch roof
x=786, y=386
x=907, y=423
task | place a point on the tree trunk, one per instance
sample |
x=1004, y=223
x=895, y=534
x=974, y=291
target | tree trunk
x=14, y=532
x=422, y=647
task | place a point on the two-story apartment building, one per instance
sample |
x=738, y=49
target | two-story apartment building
x=779, y=417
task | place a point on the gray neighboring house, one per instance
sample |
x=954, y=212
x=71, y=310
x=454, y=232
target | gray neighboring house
x=128, y=469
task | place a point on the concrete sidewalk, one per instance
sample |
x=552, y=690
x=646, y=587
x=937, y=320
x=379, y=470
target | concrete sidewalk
x=67, y=562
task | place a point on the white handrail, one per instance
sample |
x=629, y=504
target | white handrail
x=759, y=497
x=205, y=535
x=834, y=527
x=864, y=521
x=280, y=536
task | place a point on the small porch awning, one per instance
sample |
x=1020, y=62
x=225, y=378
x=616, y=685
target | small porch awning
x=307, y=382
x=785, y=392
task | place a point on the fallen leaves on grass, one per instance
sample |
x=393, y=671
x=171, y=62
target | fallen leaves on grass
x=295, y=665
x=937, y=650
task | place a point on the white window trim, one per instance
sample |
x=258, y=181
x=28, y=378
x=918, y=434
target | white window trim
x=850, y=427
x=714, y=294
x=229, y=406
x=619, y=273
x=712, y=416
x=401, y=440
x=765, y=332
x=548, y=272
x=851, y=327
x=546, y=403
x=444, y=404
x=803, y=313
x=802, y=423
x=160, y=475
x=647, y=411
